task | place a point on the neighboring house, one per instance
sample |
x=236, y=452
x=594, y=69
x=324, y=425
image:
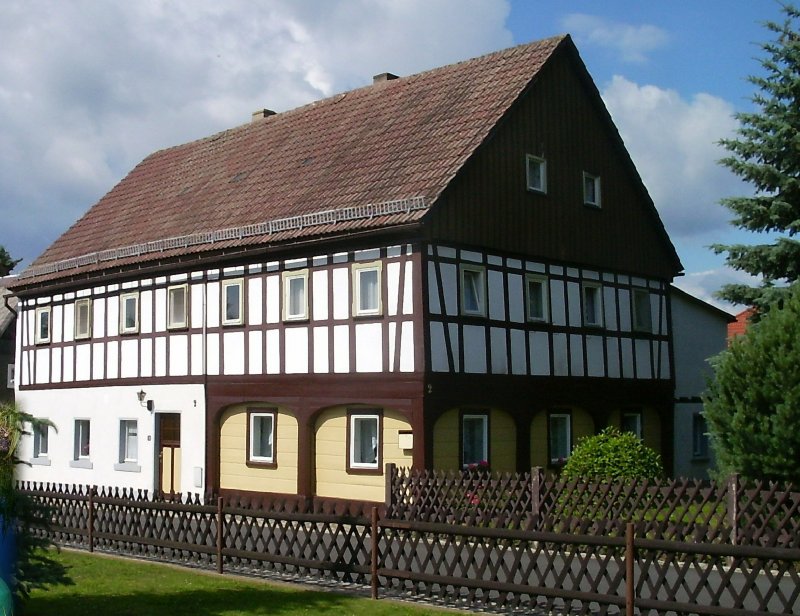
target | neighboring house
x=455, y=267
x=740, y=323
x=8, y=329
x=699, y=332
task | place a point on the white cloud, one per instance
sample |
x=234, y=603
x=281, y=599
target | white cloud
x=705, y=284
x=87, y=89
x=632, y=43
x=673, y=143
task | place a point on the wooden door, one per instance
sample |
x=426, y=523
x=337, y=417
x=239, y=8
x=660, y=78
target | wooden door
x=169, y=452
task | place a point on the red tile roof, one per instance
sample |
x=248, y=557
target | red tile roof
x=396, y=140
x=739, y=326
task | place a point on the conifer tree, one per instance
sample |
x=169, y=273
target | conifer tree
x=766, y=154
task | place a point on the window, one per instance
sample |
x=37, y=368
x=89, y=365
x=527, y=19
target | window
x=295, y=296
x=536, y=170
x=41, y=435
x=83, y=318
x=642, y=318
x=129, y=313
x=536, y=297
x=591, y=189
x=473, y=290
x=81, y=451
x=559, y=437
x=178, y=307
x=474, y=440
x=367, y=289
x=232, y=302
x=699, y=436
x=364, y=441
x=592, y=305
x=632, y=422
x=11, y=375
x=261, y=427
x=42, y=325
x=128, y=440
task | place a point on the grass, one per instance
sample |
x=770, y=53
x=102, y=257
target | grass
x=101, y=584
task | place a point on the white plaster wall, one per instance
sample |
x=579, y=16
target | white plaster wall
x=104, y=407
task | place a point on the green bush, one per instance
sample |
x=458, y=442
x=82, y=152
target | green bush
x=753, y=402
x=610, y=455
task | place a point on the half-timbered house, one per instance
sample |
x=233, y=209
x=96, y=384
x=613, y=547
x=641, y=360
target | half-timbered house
x=456, y=267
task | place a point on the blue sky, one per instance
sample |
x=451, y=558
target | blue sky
x=89, y=88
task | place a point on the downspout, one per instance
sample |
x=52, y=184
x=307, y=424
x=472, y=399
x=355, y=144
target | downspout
x=8, y=306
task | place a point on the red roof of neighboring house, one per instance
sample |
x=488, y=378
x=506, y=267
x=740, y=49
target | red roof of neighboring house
x=739, y=326
x=399, y=141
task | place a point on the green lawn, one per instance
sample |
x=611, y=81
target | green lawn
x=108, y=585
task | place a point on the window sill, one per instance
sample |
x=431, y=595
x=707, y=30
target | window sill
x=128, y=467
x=364, y=471
x=81, y=464
x=259, y=464
x=40, y=461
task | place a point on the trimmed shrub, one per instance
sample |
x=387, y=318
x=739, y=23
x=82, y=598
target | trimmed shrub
x=613, y=454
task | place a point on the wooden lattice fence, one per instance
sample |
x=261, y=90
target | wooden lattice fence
x=761, y=514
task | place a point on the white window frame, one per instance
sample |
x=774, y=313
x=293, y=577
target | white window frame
x=353, y=419
x=593, y=181
x=177, y=321
x=251, y=455
x=41, y=434
x=124, y=435
x=123, y=303
x=42, y=313
x=288, y=278
x=567, y=417
x=596, y=319
x=81, y=426
x=464, y=270
x=544, y=285
x=484, y=420
x=83, y=305
x=358, y=269
x=642, y=315
x=536, y=162
x=226, y=284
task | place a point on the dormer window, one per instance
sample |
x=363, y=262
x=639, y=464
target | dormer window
x=591, y=189
x=536, y=171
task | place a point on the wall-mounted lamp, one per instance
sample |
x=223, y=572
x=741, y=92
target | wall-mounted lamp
x=142, y=396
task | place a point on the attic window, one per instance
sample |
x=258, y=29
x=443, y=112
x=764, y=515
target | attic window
x=591, y=189
x=536, y=170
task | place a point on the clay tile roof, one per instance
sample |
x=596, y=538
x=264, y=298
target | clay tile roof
x=400, y=140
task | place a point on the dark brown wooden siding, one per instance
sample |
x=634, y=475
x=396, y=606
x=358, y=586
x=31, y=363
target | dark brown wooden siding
x=562, y=120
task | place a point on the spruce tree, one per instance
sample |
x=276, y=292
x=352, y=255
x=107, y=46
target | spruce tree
x=6, y=262
x=753, y=404
x=766, y=155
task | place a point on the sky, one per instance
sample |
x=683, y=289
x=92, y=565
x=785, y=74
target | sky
x=88, y=88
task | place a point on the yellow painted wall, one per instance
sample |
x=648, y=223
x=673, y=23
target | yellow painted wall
x=332, y=478
x=234, y=474
x=502, y=443
x=651, y=426
x=582, y=425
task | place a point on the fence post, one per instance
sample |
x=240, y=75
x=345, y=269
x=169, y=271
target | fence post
x=389, y=493
x=536, y=495
x=733, y=507
x=374, y=554
x=219, y=534
x=630, y=556
x=91, y=518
